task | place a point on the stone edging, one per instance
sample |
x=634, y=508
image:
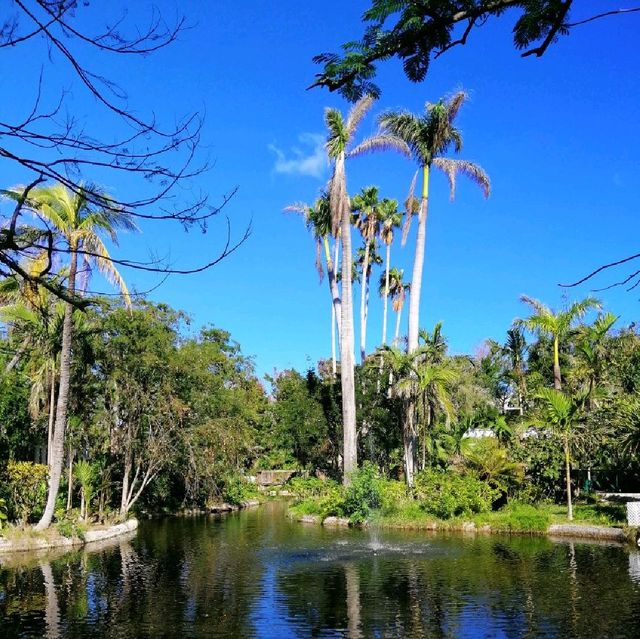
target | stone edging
x=604, y=533
x=30, y=543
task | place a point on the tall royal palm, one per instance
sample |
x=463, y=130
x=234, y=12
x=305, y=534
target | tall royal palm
x=428, y=137
x=365, y=206
x=398, y=290
x=318, y=220
x=390, y=220
x=79, y=221
x=555, y=325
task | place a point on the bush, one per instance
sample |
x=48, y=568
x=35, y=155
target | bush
x=393, y=496
x=306, y=487
x=3, y=511
x=237, y=490
x=68, y=524
x=363, y=493
x=447, y=495
x=26, y=485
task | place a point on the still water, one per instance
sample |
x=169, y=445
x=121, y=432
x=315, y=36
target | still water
x=257, y=574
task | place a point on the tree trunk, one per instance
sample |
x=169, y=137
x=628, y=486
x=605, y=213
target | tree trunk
x=350, y=450
x=396, y=338
x=57, y=448
x=557, y=378
x=331, y=276
x=363, y=301
x=52, y=409
x=386, y=296
x=418, y=262
x=409, y=442
x=18, y=354
x=567, y=462
x=124, y=505
x=72, y=454
x=334, y=367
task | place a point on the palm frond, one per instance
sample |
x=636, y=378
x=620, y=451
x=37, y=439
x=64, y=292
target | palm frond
x=357, y=113
x=452, y=167
x=381, y=142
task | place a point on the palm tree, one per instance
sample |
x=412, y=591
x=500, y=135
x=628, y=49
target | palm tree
x=390, y=219
x=435, y=342
x=339, y=147
x=365, y=205
x=79, y=220
x=592, y=351
x=562, y=412
x=434, y=382
x=544, y=321
x=371, y=256
x=515, y=350
x=318, y=220
x=427, y=138
x=85, y=474
x=398, y=291
x=37, y=316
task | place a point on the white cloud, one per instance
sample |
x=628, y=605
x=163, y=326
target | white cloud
x=307, y=159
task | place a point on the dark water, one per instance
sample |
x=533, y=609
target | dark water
x=256, y=574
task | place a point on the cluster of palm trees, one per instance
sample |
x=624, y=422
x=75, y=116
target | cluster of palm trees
x=78, y=223
x=425, y=139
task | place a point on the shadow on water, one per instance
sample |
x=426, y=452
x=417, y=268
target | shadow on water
x=258, y=574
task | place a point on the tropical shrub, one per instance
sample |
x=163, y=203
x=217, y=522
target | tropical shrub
x=306, y=487
x=26, y=486
x=3, y=511
x=237, y=490
x=393, y=494
x=447, y=495
x=363, y=493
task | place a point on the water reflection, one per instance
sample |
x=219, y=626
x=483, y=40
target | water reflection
x=257, y=574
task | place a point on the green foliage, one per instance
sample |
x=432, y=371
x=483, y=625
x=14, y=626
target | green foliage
x=3, y=511
x=68, y=525
x=417, y=31
x=238, y=490
x=492, y=462
x=26, y=486
x=447, y=495
x=362, y=494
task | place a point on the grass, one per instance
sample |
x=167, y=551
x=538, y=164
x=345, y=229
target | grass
x=515, y=517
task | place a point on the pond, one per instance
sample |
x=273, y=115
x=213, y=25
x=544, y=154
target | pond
x=258, y=574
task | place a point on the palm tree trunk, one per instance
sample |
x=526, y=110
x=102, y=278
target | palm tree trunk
x=363, y=302
x=567, y=462
x=386, y=296
x=396, y=338
x=409, y=441
x=331, y=276
x=418, y=263
x=72, y=454
x=557, y=378
x=57, y=448
x=334, y=366
x=18, y=354
x=335, y=299
x=52, y=409
x=347, y=381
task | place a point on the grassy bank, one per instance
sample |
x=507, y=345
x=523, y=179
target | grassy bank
x=457, y=506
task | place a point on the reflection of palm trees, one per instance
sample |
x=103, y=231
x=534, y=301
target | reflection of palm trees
x=352, y=581
x=52, y=609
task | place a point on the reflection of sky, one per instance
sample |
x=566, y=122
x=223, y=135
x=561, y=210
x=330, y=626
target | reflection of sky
x=269, y=617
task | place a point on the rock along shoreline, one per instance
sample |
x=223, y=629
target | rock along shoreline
x=50, y=539
x=573, y=531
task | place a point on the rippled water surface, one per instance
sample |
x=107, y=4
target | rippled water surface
x=257, y=574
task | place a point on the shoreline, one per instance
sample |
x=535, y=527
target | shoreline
x=557, y=531
x=30, y=540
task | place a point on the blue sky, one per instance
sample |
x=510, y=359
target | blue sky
x=558, y=136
